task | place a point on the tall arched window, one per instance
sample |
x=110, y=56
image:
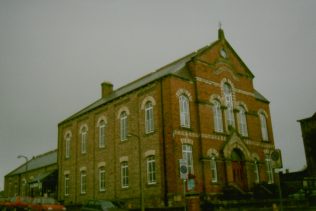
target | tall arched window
x=123, y=126
x=264, y=129
x=151, y=169
x=101, y=179
x=66, y=185
x=124, y=174
x=102, y=134
x=256, y=171
x=214, y=169
x=83, y=182
x=218, y=120
x=243, y=130
x=84, y=134
x=184, y=111
x=228, y=95
x=67, y=146
x=188, y=156
x=149, y=117
x=269, y=169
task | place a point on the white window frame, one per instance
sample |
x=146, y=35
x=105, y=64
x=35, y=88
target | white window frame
x=83, y=182
x=149, y=117
x=102, y=127
x=256, y=171
x=123, y=126
x=84, y=137
x=151, y=170
x=184, y=107
x=187, y=154
x=243, y=130
x=101, y=179
x=67, y=183
x=124, y=174
x=67, y=147
x=213, y=164
x=228, y=96
x=269, y=169
x=264, y=129
x=218, y=120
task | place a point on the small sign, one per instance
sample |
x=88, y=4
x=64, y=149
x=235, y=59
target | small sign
x=276, y=159
x=183, y=169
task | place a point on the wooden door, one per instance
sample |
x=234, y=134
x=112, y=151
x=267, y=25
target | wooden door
x=239, y=176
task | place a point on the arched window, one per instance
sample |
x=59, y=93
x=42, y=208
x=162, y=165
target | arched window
x=228, y=95
x=256, y=171
x=184, y=111
x=101, y=179
x=151, y=169
x=269, y=168
x=67, y=146
x=243, y=130
x=149, y=117
x=188, y=156
x=218, y=120
x=264, y=129
x=124, y=174
x=214, y=169
x=66, y=179
x=83, y=182
x=102, y=134
x=84, y=134
x=123, y=126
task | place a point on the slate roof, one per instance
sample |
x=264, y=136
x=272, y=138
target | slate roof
x=46, y=159
x=175, y=68
x=259, y=96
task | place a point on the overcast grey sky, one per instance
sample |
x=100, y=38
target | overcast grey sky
x=55, y=54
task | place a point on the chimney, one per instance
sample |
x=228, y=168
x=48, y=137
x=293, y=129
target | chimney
x=107, y=89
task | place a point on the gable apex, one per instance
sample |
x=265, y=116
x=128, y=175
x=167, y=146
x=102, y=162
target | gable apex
x=221, y=52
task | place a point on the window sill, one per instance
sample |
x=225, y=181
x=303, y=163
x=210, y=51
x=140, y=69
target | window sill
x=151, y=184
x=186, y=128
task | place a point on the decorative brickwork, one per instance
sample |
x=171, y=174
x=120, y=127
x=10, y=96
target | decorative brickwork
x=200, y=77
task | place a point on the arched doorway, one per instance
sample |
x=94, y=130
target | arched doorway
x=238, y=168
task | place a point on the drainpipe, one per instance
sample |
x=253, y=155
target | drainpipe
x=164, y=145
x=200, y=135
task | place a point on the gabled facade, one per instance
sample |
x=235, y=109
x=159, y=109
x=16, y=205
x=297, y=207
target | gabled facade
x=202, y=108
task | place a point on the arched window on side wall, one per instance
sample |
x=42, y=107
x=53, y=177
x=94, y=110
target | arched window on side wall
x=149, y=117
x=217, y=113
x=102, y=134
x=184, y=111
x=84, y=137
x=264, y=129
x=123, y=126
x=214, y=169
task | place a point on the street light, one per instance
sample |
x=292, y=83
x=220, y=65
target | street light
x=140, y=171
x=26, y=169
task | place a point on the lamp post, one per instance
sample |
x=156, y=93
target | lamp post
x=140, y=171
x=26, y=169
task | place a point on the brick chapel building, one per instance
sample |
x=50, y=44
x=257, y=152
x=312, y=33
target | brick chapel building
x=202, y=108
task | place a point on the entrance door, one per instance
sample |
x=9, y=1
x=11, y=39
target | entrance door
x=238, y=167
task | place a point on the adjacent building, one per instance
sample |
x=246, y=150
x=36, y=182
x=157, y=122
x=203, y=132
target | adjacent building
x=308, y=128
x=202, y=108
x=36, y=177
